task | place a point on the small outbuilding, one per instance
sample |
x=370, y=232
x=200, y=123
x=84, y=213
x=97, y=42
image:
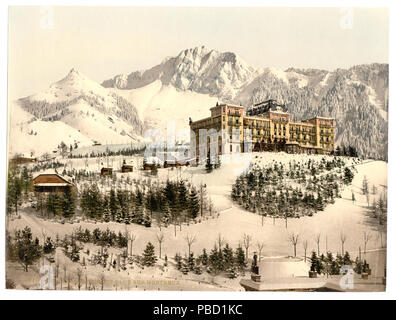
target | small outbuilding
x=127, y=168
x=106, y=171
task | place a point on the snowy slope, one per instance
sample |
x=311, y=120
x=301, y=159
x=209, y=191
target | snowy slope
x=159, y=104
x=74, y=110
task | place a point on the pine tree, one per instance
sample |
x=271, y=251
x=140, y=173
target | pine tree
x=319, y=202
x=191, y=262
x=147, y=220
x=166, y=213
x=240, y=258
x=228, y=257
x=91, y=202
x=215, y=260
x=14, y=191
x=68, y=203
x=209, y=164
x=106, y=209
x=75, y=253
x=25, y=250
x=204, y=257
x=114, y=205
x=217, y=165
x=348, y=176
x=149, y=259
x=182, y=196
x=365, y=187
x=179, y=261
x=193, y=206
x=48, y=246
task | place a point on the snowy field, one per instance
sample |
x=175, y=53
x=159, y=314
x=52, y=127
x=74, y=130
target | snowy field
x=344, y=216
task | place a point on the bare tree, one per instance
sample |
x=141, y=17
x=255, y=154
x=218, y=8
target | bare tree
x=64, y=272
x=160, y=238
x=368, y=199
x=293, y=238
x=190, y=240
x=343, y=239
x=69, y=278
x=44, y=238
x=367, y=238
x=102, y=280
x=220, y=240
x=317, y=240
x=132, y=238
x=305, y=245
x=246, y=243
x=381, y=231
x=79, y=276
x=260, y=247
x=56, y=273
x=285, y=216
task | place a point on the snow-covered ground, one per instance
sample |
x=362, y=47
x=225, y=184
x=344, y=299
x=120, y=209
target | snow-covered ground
x=344, y=216
x=157, y=104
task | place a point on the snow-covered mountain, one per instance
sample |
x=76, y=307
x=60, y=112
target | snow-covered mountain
x=198, y=69
x=357, y=97
x=187, y=85
x=74, y=110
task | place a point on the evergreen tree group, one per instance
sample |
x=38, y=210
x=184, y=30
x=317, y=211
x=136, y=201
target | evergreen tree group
x=174, y=201
x=301, y=188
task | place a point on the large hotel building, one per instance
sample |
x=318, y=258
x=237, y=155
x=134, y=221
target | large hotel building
x=267, y=126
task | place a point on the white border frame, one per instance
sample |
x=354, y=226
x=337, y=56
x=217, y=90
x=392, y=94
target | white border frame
x=143, y=295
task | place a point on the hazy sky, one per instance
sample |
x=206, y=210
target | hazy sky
x=103, y=42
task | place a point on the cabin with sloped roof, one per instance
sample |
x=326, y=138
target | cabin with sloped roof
x=126, y=168
x=106, y=171
x=51, y=183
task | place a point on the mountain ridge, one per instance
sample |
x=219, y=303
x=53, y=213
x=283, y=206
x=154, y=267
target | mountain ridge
x=187, y=84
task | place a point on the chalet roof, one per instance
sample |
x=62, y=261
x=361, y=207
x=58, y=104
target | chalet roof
x=50, y=179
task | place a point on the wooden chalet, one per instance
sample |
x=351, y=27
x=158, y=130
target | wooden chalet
x=127, y=168
x=175, y=164
x=51, y=182
x=106, y=171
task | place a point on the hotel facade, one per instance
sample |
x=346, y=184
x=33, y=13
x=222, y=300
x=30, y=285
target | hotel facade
x=264, y=127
